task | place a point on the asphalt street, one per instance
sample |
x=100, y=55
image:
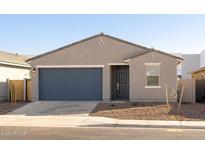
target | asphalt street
x=108, y=133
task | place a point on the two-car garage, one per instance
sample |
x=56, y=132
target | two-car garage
x=70, y=84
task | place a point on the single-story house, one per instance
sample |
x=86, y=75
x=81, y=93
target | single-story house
x=103, y=67
x=198, y=74
x=12, y=67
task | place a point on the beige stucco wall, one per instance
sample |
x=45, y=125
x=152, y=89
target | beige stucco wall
x=168, y=75
x=12, y=73
x=94, y=52
x=90, y=52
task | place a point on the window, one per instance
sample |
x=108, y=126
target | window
x=153, y=75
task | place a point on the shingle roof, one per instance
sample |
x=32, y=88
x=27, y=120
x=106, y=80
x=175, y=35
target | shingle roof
x=106, y=35
x=197, y=70
x=13, y=59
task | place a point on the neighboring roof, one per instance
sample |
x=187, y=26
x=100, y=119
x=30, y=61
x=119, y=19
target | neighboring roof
x=13, y=59
x=105, y=35
x=197, y=70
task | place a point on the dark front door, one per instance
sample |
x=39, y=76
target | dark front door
x=121, y=82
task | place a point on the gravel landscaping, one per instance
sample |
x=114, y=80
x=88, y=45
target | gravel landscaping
x=141, y=111
x=6, y=107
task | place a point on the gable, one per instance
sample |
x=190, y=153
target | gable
x=99, y=49
x=89, y=38
x=154, y=57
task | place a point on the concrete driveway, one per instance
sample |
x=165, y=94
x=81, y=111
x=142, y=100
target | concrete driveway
x=50, y=108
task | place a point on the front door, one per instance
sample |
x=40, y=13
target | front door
x=121, y=82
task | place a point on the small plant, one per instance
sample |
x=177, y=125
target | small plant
x=172, y=93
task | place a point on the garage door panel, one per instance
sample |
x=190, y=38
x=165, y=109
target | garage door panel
x=80, y=73
x=70, y=84
x=70, y=95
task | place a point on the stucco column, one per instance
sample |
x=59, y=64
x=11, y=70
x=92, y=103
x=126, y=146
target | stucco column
x=106, y=83
x=34, y=85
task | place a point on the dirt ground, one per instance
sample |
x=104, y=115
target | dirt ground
x=6, y=107
x=141, y=111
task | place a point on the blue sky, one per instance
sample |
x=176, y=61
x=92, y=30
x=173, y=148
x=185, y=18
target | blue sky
x=35, y=34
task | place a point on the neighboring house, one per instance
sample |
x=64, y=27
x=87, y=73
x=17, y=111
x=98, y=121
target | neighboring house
x=190, y=63
x=191, y=71
x=198, y=71
x=199, y=77
x=13, y=67
x=103, y=67
x=202, y=59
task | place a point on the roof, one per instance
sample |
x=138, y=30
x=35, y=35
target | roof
x=158, y=51
x=105, y=35
x=13, y=59
x=197, y=70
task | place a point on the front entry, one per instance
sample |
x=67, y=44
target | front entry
x=120, y=82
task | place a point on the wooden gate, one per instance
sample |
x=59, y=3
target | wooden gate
x=16, y=90
x=200, y=90
x=19, y=90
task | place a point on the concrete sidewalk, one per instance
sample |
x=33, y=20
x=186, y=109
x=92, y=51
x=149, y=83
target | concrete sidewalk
x=72, y=121
x=54, y=121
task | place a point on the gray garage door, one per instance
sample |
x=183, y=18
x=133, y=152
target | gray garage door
x=70, y=84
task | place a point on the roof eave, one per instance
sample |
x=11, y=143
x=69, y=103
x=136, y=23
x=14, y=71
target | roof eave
x=15, y=64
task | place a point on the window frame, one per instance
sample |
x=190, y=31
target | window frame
x=153, y=64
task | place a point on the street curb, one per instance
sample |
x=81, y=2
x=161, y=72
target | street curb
x=95, y=122
x=161, y=123
x=111, y=122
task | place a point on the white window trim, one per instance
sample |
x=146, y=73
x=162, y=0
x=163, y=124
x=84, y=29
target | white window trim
x=117, y=64
x=152, y=86
x=69, y=66
x=153, y=64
